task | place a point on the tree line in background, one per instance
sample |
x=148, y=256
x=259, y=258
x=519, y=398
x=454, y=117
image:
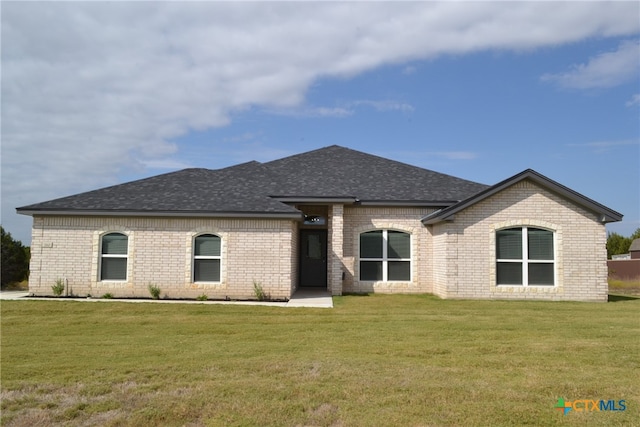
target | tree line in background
x=15, y=259
x=618, y=244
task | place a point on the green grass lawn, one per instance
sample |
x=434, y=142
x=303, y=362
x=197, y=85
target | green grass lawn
x=371, y=361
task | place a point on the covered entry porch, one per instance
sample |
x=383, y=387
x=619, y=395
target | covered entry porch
x=320, y=239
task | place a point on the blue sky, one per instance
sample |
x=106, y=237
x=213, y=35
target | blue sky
x=476, y=90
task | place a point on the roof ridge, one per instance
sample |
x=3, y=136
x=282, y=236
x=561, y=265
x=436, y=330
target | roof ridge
x=363, y=153
x=303, y=154
x=250, y=162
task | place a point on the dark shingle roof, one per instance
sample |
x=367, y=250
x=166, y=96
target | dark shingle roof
x=253, y=188
x=341, y=172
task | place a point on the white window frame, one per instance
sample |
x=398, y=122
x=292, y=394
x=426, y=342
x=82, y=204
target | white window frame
x=103, y=255
x=525, y=261
x=385, y=260
x=197, y=257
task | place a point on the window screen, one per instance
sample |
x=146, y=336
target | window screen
x=540, y=244
x=385, y=255
x=371, y=244
x=113, y=257
x=207, y=258
x=525, y=256
x=207, y=245
x=399, y=245
x=509, y=244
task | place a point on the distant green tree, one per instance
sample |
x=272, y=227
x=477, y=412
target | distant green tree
x=617, y=244
x=15, y=259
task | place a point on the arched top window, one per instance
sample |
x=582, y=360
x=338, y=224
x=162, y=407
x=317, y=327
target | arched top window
x=207, y=257
x=114, y=253
x=525, y=256
x=385, y=255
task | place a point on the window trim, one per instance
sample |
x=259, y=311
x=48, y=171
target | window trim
x=195, y=257
x=385, y=257
x=115, y=256
x=525, y=260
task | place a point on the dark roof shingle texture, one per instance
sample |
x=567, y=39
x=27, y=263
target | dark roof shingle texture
x=329, y=172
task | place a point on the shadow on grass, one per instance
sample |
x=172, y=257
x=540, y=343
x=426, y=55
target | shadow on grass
x=618, y=298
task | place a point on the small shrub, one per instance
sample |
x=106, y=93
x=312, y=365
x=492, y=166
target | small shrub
x=108, y=295
x=202, y=297
x=154, y=291
x=260, y=294
x=58, y=288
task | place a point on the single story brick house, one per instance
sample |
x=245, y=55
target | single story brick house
x=333, y=218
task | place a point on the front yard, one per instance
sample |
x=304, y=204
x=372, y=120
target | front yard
x=371, y=361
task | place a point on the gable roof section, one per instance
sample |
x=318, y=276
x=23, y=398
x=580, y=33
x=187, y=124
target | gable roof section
x=331, y=174
x=447, y=214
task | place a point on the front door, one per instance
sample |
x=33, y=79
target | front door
x=313, y=258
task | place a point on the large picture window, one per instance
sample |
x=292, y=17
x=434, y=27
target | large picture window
x=206, y=258
x=525, y=256
x=385, y=255
x=113, y=257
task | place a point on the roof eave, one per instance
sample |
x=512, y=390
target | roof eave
x=316, y=200
x=409, y=203
x=435, y=218
x=180, y=214
x=356, y=201
x=605, y=215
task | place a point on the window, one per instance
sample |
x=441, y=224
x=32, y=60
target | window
x=385, y=255
x=113, y=257
x=206, y=258
x=525, y=257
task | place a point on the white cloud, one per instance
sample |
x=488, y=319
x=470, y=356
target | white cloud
x=347, y=109
x=94, y=90
x=387, y=105
x=635, y=100
x=308, y=112
x=605, y=70
x=605, y=146
x=408, y=70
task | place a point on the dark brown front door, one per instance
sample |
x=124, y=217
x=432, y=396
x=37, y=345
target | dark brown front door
x=313, y=258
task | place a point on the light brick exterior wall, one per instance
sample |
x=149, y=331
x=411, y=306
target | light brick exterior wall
x=161, y=253
x=580, y=241
x=453, y=259
x=445, y=257
x=335, y=249
x=359, y=219
x=294, y=258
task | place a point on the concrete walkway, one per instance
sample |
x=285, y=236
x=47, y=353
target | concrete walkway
x=10, y=295
x=310, y=297
x=302, y=298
